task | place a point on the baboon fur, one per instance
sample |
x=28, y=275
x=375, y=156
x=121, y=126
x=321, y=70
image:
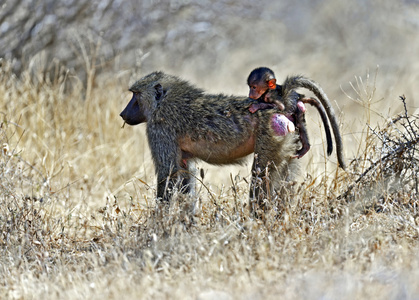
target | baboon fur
x=184, y=123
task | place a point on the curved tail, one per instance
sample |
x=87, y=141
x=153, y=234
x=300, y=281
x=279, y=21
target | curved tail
x=303, y=82
x=314, y=102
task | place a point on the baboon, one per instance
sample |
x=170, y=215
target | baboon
x=262, y=84
x=184, y=124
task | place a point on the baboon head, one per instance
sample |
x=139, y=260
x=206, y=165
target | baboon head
x=259, y=81
x=143, y=103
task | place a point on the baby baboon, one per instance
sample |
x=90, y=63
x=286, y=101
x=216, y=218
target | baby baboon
x=262, y=84
x=184, y=123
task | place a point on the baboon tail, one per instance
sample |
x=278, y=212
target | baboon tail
x=295, y=82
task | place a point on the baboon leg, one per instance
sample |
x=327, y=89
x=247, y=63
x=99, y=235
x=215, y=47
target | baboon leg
x=262, y=185
x=259, y=191
x=171, y=170
x=302, y=129
x=171, y=179
x=272, y=166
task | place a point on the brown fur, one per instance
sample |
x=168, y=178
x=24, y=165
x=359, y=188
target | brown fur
x=184, y=123
x=262, y=83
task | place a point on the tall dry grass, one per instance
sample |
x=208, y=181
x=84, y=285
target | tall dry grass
x=77, y=214
x=78, y=220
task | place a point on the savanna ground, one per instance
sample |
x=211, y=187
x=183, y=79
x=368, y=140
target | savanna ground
x=77, y=213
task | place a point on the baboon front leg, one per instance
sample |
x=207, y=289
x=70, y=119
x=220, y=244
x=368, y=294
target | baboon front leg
x=170, y=177
x=169, y=167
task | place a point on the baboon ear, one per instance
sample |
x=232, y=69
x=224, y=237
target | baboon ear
x=272, y=84
x=159, y=91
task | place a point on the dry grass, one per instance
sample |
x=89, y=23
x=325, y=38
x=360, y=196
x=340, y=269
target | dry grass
x=74, y=225
x=77, y=214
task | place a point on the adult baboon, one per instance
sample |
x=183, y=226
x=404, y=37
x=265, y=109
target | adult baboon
x=184, y=123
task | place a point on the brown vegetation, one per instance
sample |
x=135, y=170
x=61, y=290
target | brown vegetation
x=77, y=217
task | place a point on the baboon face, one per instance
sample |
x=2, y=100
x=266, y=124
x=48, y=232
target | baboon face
x=141, y=105
x=260, y=80
x=133, y=114
x=256, y=91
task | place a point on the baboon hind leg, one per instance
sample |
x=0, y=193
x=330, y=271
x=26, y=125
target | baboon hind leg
x=273, y=165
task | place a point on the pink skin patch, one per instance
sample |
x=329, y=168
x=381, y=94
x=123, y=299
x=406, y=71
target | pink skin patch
x=281, y=125
x=301, y=106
